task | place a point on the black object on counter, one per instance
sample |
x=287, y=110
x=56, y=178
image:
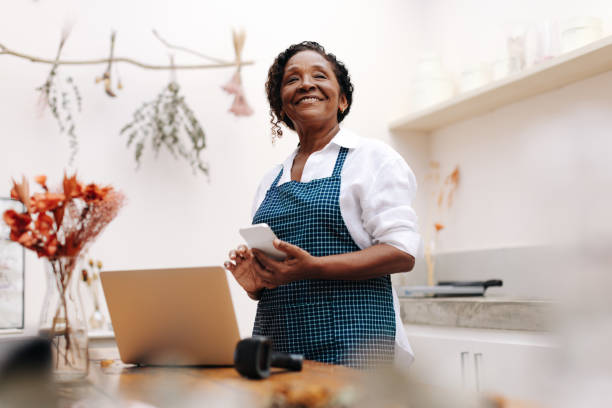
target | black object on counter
x=479, y=286
x=449, y=289
x=26, y=373
x=254, y=356
x=24, y=356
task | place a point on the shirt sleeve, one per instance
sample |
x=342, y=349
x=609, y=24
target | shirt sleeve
x=388, y=215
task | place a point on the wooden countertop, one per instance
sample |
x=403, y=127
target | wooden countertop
x=112, y=383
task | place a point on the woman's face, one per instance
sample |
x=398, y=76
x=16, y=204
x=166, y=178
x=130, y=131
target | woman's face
x=310, y=92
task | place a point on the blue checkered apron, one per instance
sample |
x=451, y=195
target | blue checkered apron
x=332, y=321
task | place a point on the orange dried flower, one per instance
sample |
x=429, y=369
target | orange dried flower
x=44, y=224
x=72, y=188
x=42, y=180
x=27, y=239
x=94, y=193
x=21, y=192
x=438, y=226
x=15, y=220
x=14, y=194
x=43, y=202
x=58, y=214
x=50, y=247
x=56, y=224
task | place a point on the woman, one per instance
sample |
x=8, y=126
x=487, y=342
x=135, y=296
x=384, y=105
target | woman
x=340, y=206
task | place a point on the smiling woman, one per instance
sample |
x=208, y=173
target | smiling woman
x=341, y=208
x=277, y=76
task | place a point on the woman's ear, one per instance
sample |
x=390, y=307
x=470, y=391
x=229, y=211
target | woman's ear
x=342, y=103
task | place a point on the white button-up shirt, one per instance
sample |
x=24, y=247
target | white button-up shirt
x=376, y=194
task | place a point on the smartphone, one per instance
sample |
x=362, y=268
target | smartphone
x=261, y=236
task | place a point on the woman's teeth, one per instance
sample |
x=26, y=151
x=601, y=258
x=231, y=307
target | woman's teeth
x=309, y=100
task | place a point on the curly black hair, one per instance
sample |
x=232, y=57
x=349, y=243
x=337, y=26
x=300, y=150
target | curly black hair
x=275, y=77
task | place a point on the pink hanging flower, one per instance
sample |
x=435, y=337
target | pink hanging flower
x=234, y=86
x=240, y=106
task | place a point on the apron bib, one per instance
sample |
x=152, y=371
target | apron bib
x=332, y=321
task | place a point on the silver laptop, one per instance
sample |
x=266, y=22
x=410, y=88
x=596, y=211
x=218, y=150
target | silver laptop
x=172, y=316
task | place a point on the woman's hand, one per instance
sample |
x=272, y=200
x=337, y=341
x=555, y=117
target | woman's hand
x=247, y=271
x=298, y=265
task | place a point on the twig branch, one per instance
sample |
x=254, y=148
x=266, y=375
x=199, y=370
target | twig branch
x=32, y=58
x=112, y=52
x=187, y=50
x=106, y=76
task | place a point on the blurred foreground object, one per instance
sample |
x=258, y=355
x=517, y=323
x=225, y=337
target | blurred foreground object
x=25, y=373
x=254, y=357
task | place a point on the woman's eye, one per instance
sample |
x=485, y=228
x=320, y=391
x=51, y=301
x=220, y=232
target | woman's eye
x=320, y=76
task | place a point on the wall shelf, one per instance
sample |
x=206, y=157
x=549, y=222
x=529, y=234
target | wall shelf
x=585, y=62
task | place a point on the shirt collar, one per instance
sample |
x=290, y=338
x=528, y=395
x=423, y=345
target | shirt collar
x=346, y=138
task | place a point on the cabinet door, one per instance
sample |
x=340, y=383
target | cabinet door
x=512, y=363
x=441, y=360
x=516, y=369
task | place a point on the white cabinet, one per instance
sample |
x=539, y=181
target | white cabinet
x=512, y=363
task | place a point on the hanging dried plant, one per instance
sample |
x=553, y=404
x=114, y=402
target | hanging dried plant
x=163, y=119
x=166, y=121
x=61, y=95
x=106, y=76
x=240, y=106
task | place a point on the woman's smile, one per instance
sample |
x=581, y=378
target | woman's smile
x=308, y=100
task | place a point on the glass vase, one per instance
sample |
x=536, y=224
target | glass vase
x=63, y=321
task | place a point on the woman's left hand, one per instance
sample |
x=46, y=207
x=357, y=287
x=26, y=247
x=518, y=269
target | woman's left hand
x=298, y=265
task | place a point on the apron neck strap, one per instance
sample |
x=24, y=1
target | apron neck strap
x=340, y=161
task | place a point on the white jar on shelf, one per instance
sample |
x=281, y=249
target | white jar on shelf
x=580, y=31
x=475, y=77
x=500, y=68
x=432, y=83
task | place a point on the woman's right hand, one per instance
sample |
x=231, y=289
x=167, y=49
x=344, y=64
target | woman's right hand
x=247, y=271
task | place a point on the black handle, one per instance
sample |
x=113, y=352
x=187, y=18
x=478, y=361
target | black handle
x=292, y=362
x=254, y=357
x=493, y=282
x=484, y=284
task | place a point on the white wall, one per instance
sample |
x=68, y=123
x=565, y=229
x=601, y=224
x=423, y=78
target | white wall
x=174, y=218
x=519, y=163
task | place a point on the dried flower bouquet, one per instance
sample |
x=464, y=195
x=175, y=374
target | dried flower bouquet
x=58, y=226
